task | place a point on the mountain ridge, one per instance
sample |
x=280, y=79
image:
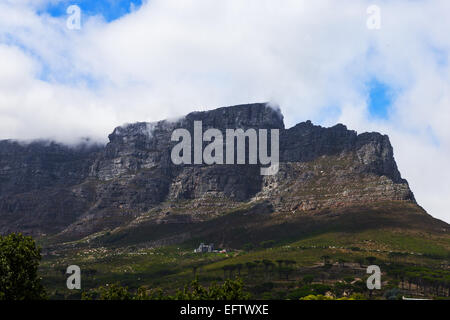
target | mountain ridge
x=54, y=189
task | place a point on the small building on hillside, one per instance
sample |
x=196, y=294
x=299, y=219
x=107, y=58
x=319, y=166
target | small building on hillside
x=203, y=248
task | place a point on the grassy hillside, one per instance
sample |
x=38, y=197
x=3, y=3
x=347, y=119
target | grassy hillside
x=278, y=255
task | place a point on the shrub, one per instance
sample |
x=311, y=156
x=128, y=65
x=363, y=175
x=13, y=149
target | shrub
x=313, y=289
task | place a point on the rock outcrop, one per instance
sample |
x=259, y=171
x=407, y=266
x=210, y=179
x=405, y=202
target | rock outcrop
x=48, y=188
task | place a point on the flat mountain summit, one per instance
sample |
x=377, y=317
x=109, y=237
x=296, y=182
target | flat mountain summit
x=131, y=183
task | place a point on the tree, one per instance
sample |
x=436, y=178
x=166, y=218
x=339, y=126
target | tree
x=194, y=270
x=232, y=267
x=225, y=269
x=229, y=290
x=285, y=272
x=290, y=262
x=317, y=297
x=239, y=268
x=145, y=294
x=308, y=279
x=342, y=262
x=19, y=262
x=117, y=292
x=280, y=267
x=268, y=266
x=250, y=267
x=371, y=260
x=280, y=263
x=360, y=261
x=114, y=292
x=355, y=296
x=325, y=259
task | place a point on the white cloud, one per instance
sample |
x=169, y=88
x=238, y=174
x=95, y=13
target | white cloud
x=171, y=57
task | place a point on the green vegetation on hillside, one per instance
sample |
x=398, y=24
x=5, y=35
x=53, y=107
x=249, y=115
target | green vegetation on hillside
x=19, y=261
x=277, y=256
x=272, y=269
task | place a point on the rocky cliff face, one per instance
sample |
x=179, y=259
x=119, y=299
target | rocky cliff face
x=50, y=188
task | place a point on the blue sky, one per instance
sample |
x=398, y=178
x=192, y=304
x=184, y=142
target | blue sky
x=109, y=9
x=380, y=98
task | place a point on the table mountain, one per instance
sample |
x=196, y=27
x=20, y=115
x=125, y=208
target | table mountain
x=48, y=188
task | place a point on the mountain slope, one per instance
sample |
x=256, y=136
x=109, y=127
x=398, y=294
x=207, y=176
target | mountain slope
x=131, y=183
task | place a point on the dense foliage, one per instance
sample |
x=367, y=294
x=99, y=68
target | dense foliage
x=229, y=290
x=19, y=261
